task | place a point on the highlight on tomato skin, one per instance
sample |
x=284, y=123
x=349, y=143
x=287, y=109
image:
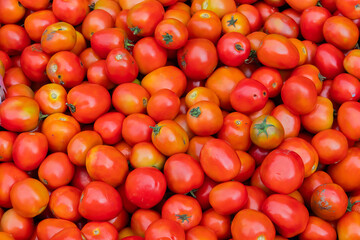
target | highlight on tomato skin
x=179, y=119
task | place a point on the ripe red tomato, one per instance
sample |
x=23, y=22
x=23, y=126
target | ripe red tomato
x=33, y=63
x=348, y=226
x=329, y=60
x=165, y=229
x=13, y=39
x=109, y=126
x=18, y=226
x=64, y=202
x=317, y=228
x=351, y=62
x=6, y=145
x=279, y=23
x=163, y=105
x=105, y=40
x=141, y=219
x=171, y=34
x=235, y=22
x=347, y=115
x=233, y=49
x=204, y=24
x=256, y=196
x=312, y=21
x=220, y=224
x=72, y=12
x=99, y=230
x=199, y=232
x=96, y=20
x=136, y=128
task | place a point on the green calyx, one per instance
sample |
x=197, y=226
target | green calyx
x=71, y=107
x=350, y=205
x=135, y=30
x=321, y=77
x=183, y=217
x=262, y=127
x=232, y=21
x=195, y=112
x=238, y=47
x=156, y=129
x=128, y=44
x=167, y=38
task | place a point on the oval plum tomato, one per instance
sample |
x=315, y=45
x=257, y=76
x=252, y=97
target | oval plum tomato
x=202, y=193
x=56, y=170
x=145, y=154
x=9, y=175
x=99, y=201
x=36, y=23
x=219, y=224
x=344, y=173
x=109, y=126
x=149, y=55
x=105, y=40
x=219, y=160
x=201, y=94
x=163, y=105
x=64, y=202
x=347, y=114
x=233, y=49
x=88, y=57
x=47, y=228
x=351, y=62
x=29, y=150
x=300, y=46
x=235, y=22
x=198, y=58
x=59, y=36
x=13, y=39
x=136, y=128
x=295, y=15
x=68, y=234
x=204, y=24
x=252, y=14
x=341, y=32
x=221, y=7
x=266, y=132
x=282, y=171
x=279, y=23
x=256, y=196
x=301, y=6
x=228, y=197
x=145, y=187
x=141, y=219
x=19, y=90
x=260, y=225
x=329, y=60
x=204, y=118
x=183, y=173
x=183, y=209
x=349, y=8
x=169, y=137
x=299, y=94
x=289, y=216
x=59, y=126
x=121, y=66
x=19, y=114
x=143, y=18
x=96, y=20
x=222, y=81
x=18, y=226
x=165, y=229
x=269, y=54
x=129, y=98
x=51, y=98
x=247, y=166
x=88, y=101
x=11, y=12
x=99, y=230
x=270, y=78
x=13, y=76
x=248, y=96
x=33, y=63
x=317, y=228
x=171, y=34
x=312, y=72
x=329, y=201
x=71, y=12
x=112, y=7
x=105, y=163
x=96, y=73
x=199, y=232
x=7, y=140
x=236, y=131
x=265, y=9
x=345, y=87
x=312, y=21
x=65, y=68
x=29, y=197
x=195, y=145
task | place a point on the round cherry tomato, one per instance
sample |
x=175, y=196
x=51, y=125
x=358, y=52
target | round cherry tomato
x=13, y=39
x=204, y=24
x=136, y=128
x=220, y=224
x=145, y=154
x=109, y=126
x=235, y=22
x=18, y=226
x=233, y=49
x=141, y=219
x=71, y=12
x=95, y=21
x=171, y=34
x=64, y=203
x=163, y=105
x=347, y=115
x=312, y=21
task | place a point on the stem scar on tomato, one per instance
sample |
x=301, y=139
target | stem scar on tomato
x=195, y=112
x=135, y=30
x=156, y=129
x=232, y=21
x=262, y=127
x=183, y=217
x=167, y=38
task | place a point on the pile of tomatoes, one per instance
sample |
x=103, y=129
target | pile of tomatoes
x=174, y=119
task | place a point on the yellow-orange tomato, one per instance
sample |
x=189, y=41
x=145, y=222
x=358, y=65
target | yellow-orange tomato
x=201, y=94
x=178, y=14
x=127, y=4
x=181, y=120
x=145, y=154
x=204, y=24
x=235, y=22
x=111, y=7
x=266, y=110
x=80, y=44
x=36, y=23
x=59, y=36
x=11, y=11
x=51, y=98
x=19, y=226
x=19, y=90
x=255, y=39
x=95, y=21
x=220, y=7
x=300, y=46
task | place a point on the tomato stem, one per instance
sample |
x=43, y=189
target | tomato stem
x=156, y=129
x=167, y=38
x=71, y=107
x=321, y=77
x=232, y=21
x=195, y=112
x=192, y=193
x=42, y=116
x=319, y=4
x=183, y=217
x=135, y=30
x=128, y=43
x=262, y=127
x=238, y=47
x=350, y=205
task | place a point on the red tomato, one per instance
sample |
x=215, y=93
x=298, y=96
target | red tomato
x=64, y=203
x=163, y=105
x=312, y=21
x=289, y=216
x=253, y=16
x=200, y=232
x=270, y=78
x=171, y=34
x=71, y=12
x=95, y=21
x=345, y=87
x=317, y=228
x=99, y=201
x=109, y=126
x=13, y=39
x=233, y=49
x=165, y=229
x=99, y=230
x=221, y=7
x=256, y=196
x=105, y=40
x=351, y=62
x=235, y=22
x=202, y=193
x=18, y=226
x=68, y=234
x=141, y=219
x=220, y=224
x=136, y=128
x=279, y=23
x=348, y=226
x=290, y=121
x=33, y=63
x=266, y=132
x=6, y=145
x=204, y=24
x=347, y=115
x=329, y=60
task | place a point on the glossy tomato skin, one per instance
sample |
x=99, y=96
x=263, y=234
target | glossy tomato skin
x=256, y=196
x=145, y=154
x=317, y=228
x=71, y=12
x=266, y=132
x=96, y=20
x=329, y=60
x=171, y=34
x=163, y=105
x=59, y=36
x=165, y=228
x=33, y=63
x=64, y=203
x=6, y=145
x=99, y=201
x=219, y=160
x=252, y=14
x=219, y=7
x=145, y=187
x=289, y=222
x=268, y=55
x=99, y=230
x=19, y=226
x=204, y=24
x=198, y=58
x=248, y=219
x=218, y=223
x=290, y=121
x=13, y=39
x=109, y=126
x=270, y=78
x=312, y=21
x=47, y=228
x=200, y=232
x=347, y=113
x=351, y=62
x=105, y=40
x=233, y=49
x=345, y=87
x=202, y=193
x=141, y=219
x=136, y=128
x=279, y=23
x=348, y=226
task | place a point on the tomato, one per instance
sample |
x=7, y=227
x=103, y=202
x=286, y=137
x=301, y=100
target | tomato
x=169, y=137
x=204, y=24
x=165, y=229
x=233, y=49
x=219, y=160
x=141, y=219
x=198, y=58
x=265, y=9
x=143, y=18
x=347, y=114
x=16, y=225
x=289, y=216
x=220, y=224
x=169, y=77
x=149, y=55
x=329, y=201
x=129, y=98
x=29, y=197
x=33, y=63
x=181, y=120
x=351, y=62
x=178, y=14
x=256, y=196
x=59, y=36
x=112, y=7
x=96, y=73
x=13, y=39
x=196, y=144
x=317, y=228
x=108, y=39
x=300, y=6
x=198, y=94
x=145, y=154
x=200, y=232
x=252, y=14
x=68, y=234
x=12, y=11
x=329, y=60
x=88, y=57
x=345, y=87
x=171, y=34
x=51, y=98
x=6, y=145
x=95, y=21
x=15, y=76
x=270, y=78
x=348, y=226
x=145, y=187
x=344, y=173
x=235, y=22
x=19, y=90
x=295, y=15
x=221, y=7
x=183, y=209
x=109, y=126
x=269, y=55
x=279, y=23
x=64, y=202
x=71, y=12
x=80, y=44
x=312, y=21
x=47, y=228
x=121, y=22
x=136, y=128
x=88, y=101
x=36, y=23
x=251, y=224
x=202, y=193
x=163, y=105
x=119, y=222
x=341, y=32
x=99, y=201
x=99, y=230
x=266, y=132
x=105, y=163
